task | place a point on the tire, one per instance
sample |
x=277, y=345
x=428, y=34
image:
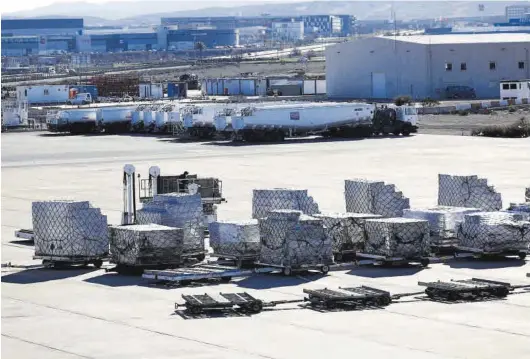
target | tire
x=383, y=301
x=324, y=269
x=195, y=310
x=425, y=262
x=201, y=257
x=396, y=133
x=287, y=271
x=501, y=292
x=226, y=279
x=98, y=263
x=522, y=256
x=256, y=307
x=406, y=132
x=338, y=257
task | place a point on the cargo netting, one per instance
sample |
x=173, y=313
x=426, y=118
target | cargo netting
x=266, y=200
x=72, y=229
x=346, y=231
x=363, y=196
x=527, y=194
x=179, y=210
x=467, y=191
x=397, y=237
x=291, y=238
x=235, y=239
x=444, y=222
x=146, y=244
x=495, y=231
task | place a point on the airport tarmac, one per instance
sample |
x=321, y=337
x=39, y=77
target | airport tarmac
x=93, y=314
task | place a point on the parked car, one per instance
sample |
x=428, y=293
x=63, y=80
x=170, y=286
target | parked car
x=80, y=99
x=460, y=92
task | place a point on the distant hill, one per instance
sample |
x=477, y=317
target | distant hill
x=138, y=13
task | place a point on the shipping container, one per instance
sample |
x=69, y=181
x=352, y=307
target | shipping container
x=43, y=94
x=152, y=91
x=179, y=90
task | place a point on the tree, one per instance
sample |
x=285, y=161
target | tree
x=200, y=46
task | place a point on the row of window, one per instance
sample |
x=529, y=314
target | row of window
x=492, y=66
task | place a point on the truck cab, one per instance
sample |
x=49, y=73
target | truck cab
x=81, y=99
x=407, y=114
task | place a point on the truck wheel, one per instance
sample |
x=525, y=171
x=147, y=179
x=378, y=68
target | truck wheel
x=406, y=132
x=396, y=133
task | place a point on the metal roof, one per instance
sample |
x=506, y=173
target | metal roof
x=462, y=38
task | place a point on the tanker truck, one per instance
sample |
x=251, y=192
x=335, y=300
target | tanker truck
x=272, y=122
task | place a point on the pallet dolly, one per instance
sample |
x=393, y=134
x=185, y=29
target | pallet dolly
x=239, y=260
x=349, y=297
x=377, y=259
x=467, y=252
x=64, y=261
x=289, y=271
x=25, y=234
x=467, y=289
x=197, y=304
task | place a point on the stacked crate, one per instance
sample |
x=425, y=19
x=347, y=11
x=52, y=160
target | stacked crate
x=235, y=238
x=266, y=200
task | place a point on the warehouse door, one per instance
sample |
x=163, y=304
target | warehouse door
x=378, y=85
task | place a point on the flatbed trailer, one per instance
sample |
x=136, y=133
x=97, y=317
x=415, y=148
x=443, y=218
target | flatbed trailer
x=384, y=260
x=64, y=261
x=468, y=252
x=197, y=304
x=351, y=297
x=468, y=289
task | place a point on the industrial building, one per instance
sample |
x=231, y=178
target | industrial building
x=42, y=27
x=289, y=30
x=424, y=66
x=517, y=12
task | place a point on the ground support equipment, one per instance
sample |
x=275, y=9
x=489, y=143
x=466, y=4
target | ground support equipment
x=467, y=252
x=348, y=297
x=391, y=261
x=66, y=261
x=467, y=289
x=25, y=234
x=238, y=260
x=201, y=272
x=344, y=255
x=197, y=255
x=288, y=270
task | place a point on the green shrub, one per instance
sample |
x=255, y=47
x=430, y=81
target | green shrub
x=403, y=100
x=512, y=109
x=429, y=102
x=519, y=129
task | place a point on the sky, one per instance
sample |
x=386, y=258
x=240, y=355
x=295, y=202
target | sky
x=8, y=6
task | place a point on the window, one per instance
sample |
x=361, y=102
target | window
x=463, y=66
x=493, y=65
x=521, y=65
x=513, y=86
x=505, y=86
x=46, y=92
x=448, y=66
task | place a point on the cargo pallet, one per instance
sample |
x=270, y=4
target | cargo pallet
x=25, y=234
x=390, y=261
x=65, y=261
x=197, y=304
x=467, y=289
x=468, y=252
x=362, y=296
x=290, y=270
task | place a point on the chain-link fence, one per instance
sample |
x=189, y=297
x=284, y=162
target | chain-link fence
x=346, y=231
x=180, y=210
x=363, y=196
x=291, y=238
x=444, y=222
x=397, y=237
x=69, y=229
x=145, y=245
x=467, y=191
x=235, y=239
x=266, y=200
x=495, y=231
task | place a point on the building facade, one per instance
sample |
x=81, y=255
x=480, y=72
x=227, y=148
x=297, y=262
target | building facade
x=517, y=12
x=42, y=27
x=424, y=66
x=288, y=31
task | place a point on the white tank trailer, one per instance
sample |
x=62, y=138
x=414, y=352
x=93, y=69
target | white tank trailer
x=199, y=120
x=275, y=122
x=76, y=121
x=116, y=119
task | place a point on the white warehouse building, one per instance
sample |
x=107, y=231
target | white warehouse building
x=425, y=65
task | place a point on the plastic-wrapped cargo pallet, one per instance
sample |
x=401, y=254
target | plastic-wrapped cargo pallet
x=235, y=239
x=495, y=231
x=346, y=231
x=69, y=229
x=467, y=191
x=397, y=237
x=527, y=194
x=444, y=222
x=180, y=210
x=146, y=244
x=266, y=200
x=363, y=196
x=292, y=239
x=520, y=208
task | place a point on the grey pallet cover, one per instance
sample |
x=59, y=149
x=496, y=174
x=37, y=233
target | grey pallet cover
x=235, y=238
x=444, y=222
x=363, y=196
x=69, y=229
x=467, y=191
x=291, y=238
x=397, y=237
x=179, y=210
x=266, y=200
x=346, y=230
x=146, y=244
x=495, y=231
